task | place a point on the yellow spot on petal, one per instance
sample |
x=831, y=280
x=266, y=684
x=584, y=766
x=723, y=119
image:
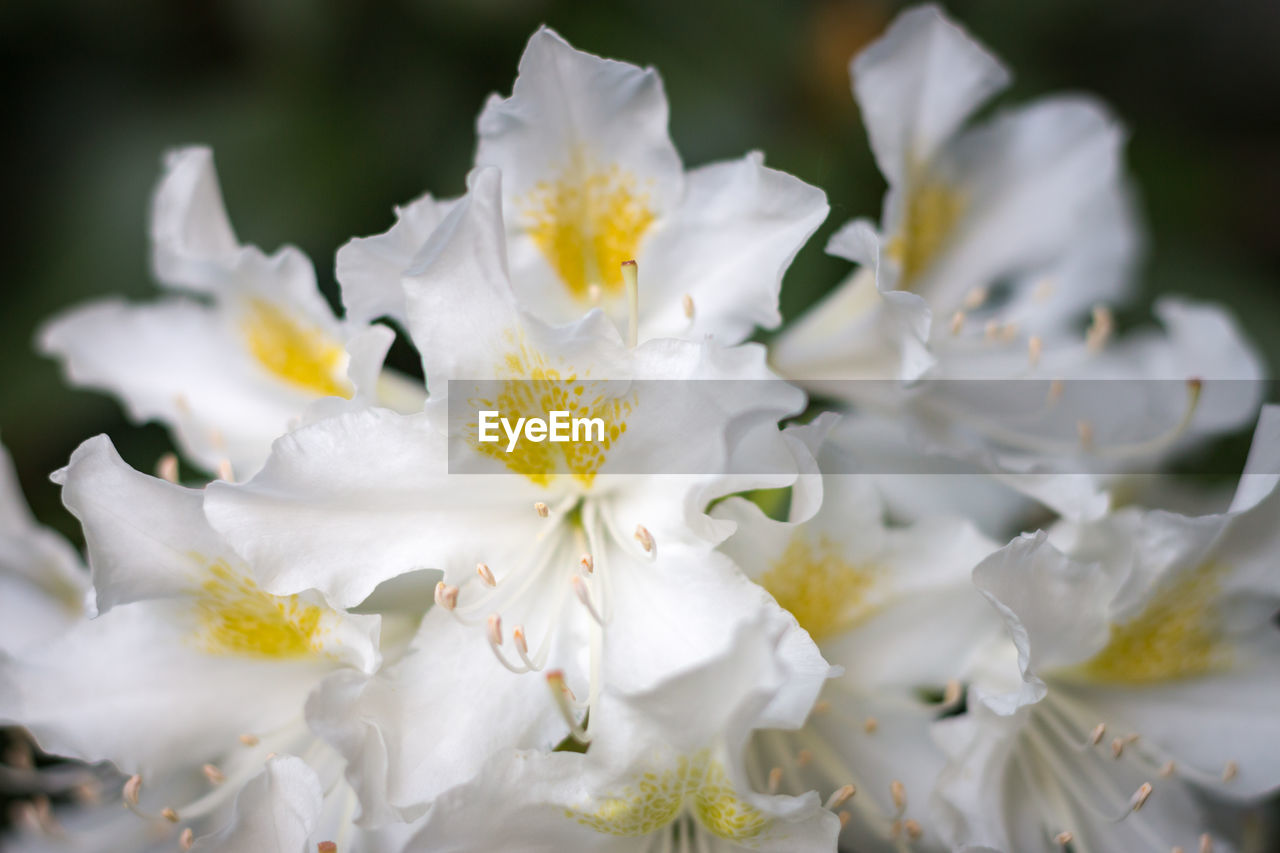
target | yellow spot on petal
x=534, y=386
x=587, y=222
x=1175, y=636
x=237, y=617
x=932, y=210
x=655, y=798
x=826, y=593
x=295, y=350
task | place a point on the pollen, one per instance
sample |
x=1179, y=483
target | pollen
x=587, y=222
x=697, y=784
x=294, y=350
x=237, y=617
x=1174, y=637
x=826, y=593
x=533, y=386
x=932, y=210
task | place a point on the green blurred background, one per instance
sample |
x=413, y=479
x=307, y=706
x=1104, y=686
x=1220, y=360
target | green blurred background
x=324, y=114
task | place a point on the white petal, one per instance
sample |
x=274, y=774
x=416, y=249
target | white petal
x=917, y=84
x=727, y=246
x=274, y=813
x=192, y=241
x=1262, y=469
x=369, y=268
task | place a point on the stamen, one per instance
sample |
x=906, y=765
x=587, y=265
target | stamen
x=517, y=637
x=486, y=575
x=629, y=279
x=593, y=293
x=587, y=563
x=186, y=839
x=1055, y=391
x=1168, y=769
x=249, y=740
x=1008, y=332
x=974, y=298
x=1062, y=839
x=1085, y=430
x=1177, y=850
x=645, y=538
x=1100, y=329
x=1206, y=844
x=991, y=330
x=584, y=595
x=169, y=814
x=541, y=509
x=167, y=467
x=822, y=706
x=131, y=789
x=1117, y=747
x=327, y=847
x=446, y=596
x=1229, y=771
x=804, y=758
x=225, y=472
x=957, y=322
x=494, y=627
x=898, y=792
x=870, y=725
x=775, y=780
x=845, y=817
x=839, y=797
x=1098, y=731
x=913, y=828
x=1035, y=347
x=213, y=774
x=561, y=694
x=1140, y=796
x=687, y=304
x=951, y=693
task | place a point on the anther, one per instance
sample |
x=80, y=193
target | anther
x=186, y=839
x=804, y=758
x=1117, y=747
x=131, y=789
x=898, y=792
x=974, y=298
x=1055, y=390
x=951, y=693
x=588, y=564
x=169, y=814
x=630, y=276
x=1009, y=332
x=1140, y=796
x=494, y=627
x=562, y=695
x=645, y=538
x=1229, y=771
x=1100, y=329
x=486, y=575
x=213, y=774
x=1206, y=844
x=327, y=847
x=1085, y=430
x=584, y=595
x=1168, y=769
x=957, y=322
x=541, y=509
x=518, y=640
x=686, y=302
x=1035, y=347
x=1095, y=737
x=446, y=596
x=1062, y=839
x=870, y=725
x=775, y=780
x=225, y=471
x=249, y=740
x=167, y=468
x=913, y=828
x=822, y=706
x=840, y=796
x=991, y=330
x=845, y=817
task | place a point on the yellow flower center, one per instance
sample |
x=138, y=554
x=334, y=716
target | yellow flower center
x=587, y=222
x=657, y=798
x=295, y=351
x=237, y=617
x=1173, y=637
x=932, y=210
x=532, y=387
x=826, y=593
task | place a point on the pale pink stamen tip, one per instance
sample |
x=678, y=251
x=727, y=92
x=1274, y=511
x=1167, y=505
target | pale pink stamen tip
x=541, y=509
x=486, y=575
x=494, y=627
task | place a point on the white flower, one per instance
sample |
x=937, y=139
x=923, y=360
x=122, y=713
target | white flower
x=235, y=360
x=43, y=584
x=1150, y=667
x=591, y=180
x=894, y=607
x=664, y=772
x=189, y=662
x=597, y=567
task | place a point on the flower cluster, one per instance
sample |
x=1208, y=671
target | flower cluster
x=766, y=611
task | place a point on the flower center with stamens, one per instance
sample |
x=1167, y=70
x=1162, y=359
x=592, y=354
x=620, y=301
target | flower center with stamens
x=932, y=210
x=826, y=593
x=237, y=617
x=587, y=222
x=659, y=797
x=531, y=387
x=294, y=350
x=1173, y=637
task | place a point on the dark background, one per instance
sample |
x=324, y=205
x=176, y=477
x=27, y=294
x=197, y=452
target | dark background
x=324, y=114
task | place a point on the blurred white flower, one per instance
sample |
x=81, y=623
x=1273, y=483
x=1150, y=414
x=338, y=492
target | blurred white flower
x=591, y=179
x=1150, y=669
x=236, y=359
